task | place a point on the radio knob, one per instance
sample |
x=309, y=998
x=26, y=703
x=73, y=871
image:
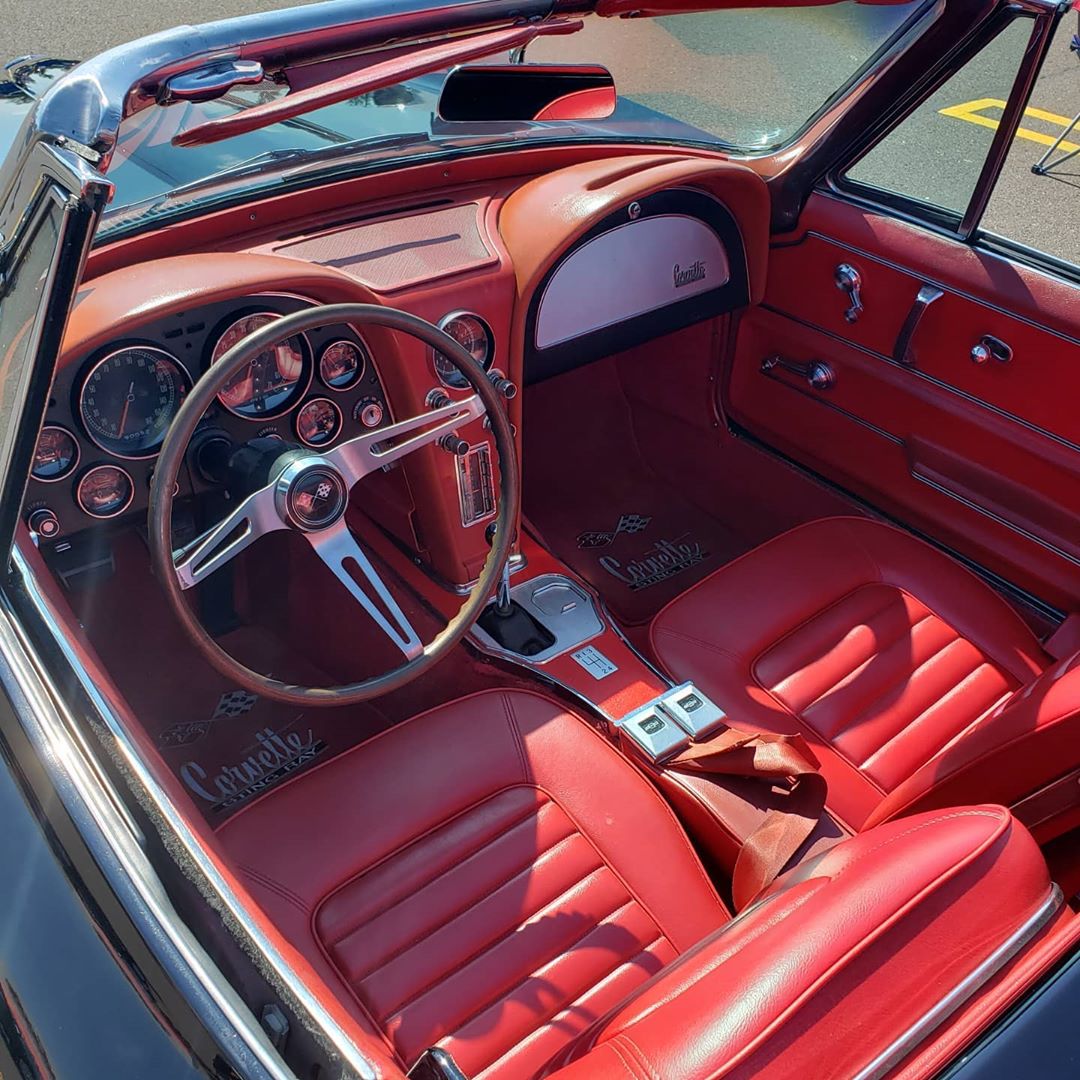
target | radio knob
x=454, y=444
x=43, y=522
x=503, y=385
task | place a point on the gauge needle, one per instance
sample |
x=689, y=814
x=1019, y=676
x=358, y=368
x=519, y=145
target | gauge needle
x=124, y=411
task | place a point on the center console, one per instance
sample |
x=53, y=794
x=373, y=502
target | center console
x=573, y=643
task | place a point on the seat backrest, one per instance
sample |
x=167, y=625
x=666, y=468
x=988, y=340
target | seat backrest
x=845, y=965
x=1019, y=748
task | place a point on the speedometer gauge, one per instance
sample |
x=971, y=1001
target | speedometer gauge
x=475, y=336
x=274, y=381
x=129, y=399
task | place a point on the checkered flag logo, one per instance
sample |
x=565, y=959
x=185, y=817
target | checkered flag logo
x=628, y=523
x=233, y=704
x=632, y=523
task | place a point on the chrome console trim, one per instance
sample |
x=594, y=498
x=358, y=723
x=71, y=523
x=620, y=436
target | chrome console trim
x=571, y=627
x=46, y=705
x=899, y=1049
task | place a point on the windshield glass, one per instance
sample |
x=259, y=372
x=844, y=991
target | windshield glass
x=744, y=80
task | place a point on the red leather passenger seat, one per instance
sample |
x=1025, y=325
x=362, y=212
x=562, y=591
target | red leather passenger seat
x=909, y=676
x=495, y=878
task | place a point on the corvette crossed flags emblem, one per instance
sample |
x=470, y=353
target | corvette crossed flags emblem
x=628, y=524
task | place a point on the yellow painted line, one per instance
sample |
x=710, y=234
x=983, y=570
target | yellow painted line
x=971, y=111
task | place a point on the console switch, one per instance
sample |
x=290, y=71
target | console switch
x=658, y=736
x=692, y=710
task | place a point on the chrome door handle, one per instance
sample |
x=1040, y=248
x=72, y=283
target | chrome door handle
x=849, y=280
x=818, y=374
x=902, y=353
x=991, y=348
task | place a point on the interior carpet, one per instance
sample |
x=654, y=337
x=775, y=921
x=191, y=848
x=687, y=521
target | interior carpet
x=598, y=506
x=638, y=544
x=628, y=477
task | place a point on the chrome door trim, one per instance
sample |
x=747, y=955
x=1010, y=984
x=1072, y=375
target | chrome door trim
x=901, y=1047
x=914, y=372
x=54, y=736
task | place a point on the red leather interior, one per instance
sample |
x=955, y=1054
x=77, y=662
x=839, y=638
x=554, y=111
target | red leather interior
x=984, y=457
x=822, y=975
x=496, y=879
x=881, y=650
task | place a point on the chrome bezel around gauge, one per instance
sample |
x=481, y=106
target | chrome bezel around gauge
x=457, y=381
x=365, y=358
x=307, y=404
x=300, y=389
x=114, y=513
x=74, y=463
x=85, y=381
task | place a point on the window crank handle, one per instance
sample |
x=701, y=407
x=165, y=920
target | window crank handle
x=848, y=280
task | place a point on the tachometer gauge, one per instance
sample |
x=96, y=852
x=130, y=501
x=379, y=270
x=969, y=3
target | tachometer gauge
x=341, y=364
x=318, y=422
x=475, y=336
x=105, y=491
x=129, y=399
x=56, y=455
x=274, y=381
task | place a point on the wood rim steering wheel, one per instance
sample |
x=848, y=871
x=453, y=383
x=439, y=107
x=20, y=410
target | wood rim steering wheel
x=309, y=492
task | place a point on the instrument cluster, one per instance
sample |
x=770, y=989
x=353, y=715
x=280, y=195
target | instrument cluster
x=109, y=414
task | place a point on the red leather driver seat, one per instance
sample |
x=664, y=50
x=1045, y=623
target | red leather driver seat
x=914, y=682
x=494, y=877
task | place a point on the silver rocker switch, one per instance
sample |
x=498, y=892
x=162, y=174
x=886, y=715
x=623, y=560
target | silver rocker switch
x=692, y=710
x=654, y=732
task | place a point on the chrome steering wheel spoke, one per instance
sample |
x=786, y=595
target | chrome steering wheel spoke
x=366, y=453
x=255, y=516
x=338, y=548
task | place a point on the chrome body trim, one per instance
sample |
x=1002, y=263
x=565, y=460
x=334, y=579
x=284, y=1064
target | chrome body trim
x=88, y=104
x=899, y=1049
x=45, y=701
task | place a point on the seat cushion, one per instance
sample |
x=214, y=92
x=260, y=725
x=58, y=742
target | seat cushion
x=879, y=649
x=490, y=877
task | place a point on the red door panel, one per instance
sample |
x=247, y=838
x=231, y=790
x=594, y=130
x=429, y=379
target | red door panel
x=984, y=457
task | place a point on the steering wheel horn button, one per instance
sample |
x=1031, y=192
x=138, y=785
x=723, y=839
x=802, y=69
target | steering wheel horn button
x=311, y=495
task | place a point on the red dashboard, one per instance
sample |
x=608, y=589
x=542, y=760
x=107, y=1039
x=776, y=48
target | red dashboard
x=498, y=263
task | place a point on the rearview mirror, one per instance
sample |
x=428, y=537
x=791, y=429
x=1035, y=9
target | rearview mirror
x=524, y=92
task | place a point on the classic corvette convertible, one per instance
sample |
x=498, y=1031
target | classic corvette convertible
x=527, y=558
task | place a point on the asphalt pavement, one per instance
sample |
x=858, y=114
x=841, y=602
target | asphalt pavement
x=750, y=77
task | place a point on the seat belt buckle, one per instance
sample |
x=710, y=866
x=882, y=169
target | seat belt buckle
x=695, y=713
x=654, y=732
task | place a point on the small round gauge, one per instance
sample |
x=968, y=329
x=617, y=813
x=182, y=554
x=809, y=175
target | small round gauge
x=105, y=491
x=475, y=336
x=318, y=422
x=129, y=399
x=341, y=364
x=56, y=455
x=274, y=381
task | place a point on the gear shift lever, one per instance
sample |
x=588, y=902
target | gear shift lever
x=508, y=623
x=503, y=606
